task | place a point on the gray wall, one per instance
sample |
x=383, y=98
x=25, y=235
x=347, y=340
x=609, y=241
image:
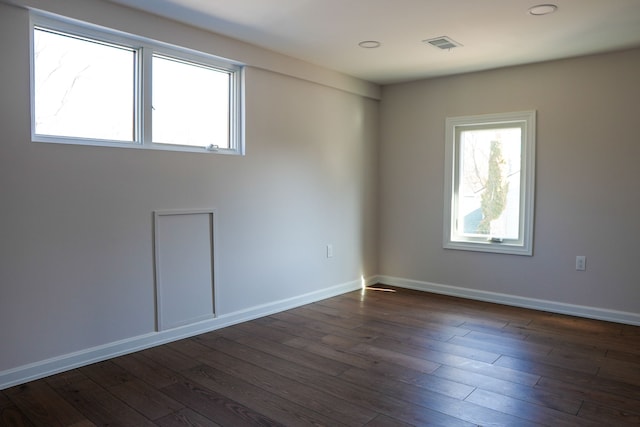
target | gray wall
x=76, y=256
x=587, y=193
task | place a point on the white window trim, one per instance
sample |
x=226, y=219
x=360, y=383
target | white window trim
x=525, y=245
x=145, y=48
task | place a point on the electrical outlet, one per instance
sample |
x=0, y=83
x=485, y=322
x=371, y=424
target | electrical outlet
x=329, y=251
x=581, y=263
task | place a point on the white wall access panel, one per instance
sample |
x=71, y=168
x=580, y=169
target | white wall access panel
x=184, y=243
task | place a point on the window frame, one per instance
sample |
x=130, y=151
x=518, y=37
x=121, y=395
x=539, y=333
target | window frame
x=145, y=48
x=452, y=239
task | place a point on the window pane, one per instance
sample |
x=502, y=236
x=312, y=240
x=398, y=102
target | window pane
x=489, y=183
x=83, y=88
x=190, y=104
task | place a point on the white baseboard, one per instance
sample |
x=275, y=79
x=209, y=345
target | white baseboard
x=514, y=300
x=34, y=371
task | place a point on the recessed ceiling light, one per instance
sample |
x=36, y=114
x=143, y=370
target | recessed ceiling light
x=542, y=9
x=369, y=44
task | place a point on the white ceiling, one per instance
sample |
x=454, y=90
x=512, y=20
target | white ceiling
x=494, y=33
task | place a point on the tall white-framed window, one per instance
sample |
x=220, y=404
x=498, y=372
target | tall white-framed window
x=489, y=183
x=96, y=86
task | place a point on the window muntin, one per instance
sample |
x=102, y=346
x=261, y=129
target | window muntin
x=201, y=116
x=489, y=183
x=83, y=88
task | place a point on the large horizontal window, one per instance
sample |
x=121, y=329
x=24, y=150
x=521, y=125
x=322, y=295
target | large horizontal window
x=490, y=183
x=83, y=88
x=94, y=86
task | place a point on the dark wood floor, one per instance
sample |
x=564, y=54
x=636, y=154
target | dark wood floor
x=371, y=358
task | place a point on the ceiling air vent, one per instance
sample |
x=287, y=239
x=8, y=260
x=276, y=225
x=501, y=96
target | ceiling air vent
x=444, y=43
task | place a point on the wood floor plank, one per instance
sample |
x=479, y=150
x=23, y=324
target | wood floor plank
x=507, y=331
x=186, y=417
x=351, y=393
x=326, y=318
x=540, y=367
x=338, y=313
x=265, y=332
x=583, y=362
x=607, y=336
x=603, y=415
x=11, y=415
x=189, y=346
x=431, y=354
x=296, y=329
x=301, y=357
x=95, y=402
x=402, y=337
x=429, y=383
x=630, y=331
x=106, y=373
x=501, y=337
x=623, y=356
x=501, y=348
x=514, y=316
x=341, y=353
x=145, y=399
x=322, y=327
x=42, y=405
x=419, y=319
x=385, y=421
x=455, y=408
x=615, y=387
x=588, y=393
x=474, y=366
x=4, y=401
x=563, y=344
x=415, y=328
x=597, y=385
x=617, y=370
x=170, y=358
x=428, y=312
x=147, y=370
x=230, y=332
x=569, y=404
x=509, y=340
x=264, y=401
x=392, y=356
x=519, y=408
x=287, y=388
x=342, y=343
x=579, y=325
x=215, y=406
